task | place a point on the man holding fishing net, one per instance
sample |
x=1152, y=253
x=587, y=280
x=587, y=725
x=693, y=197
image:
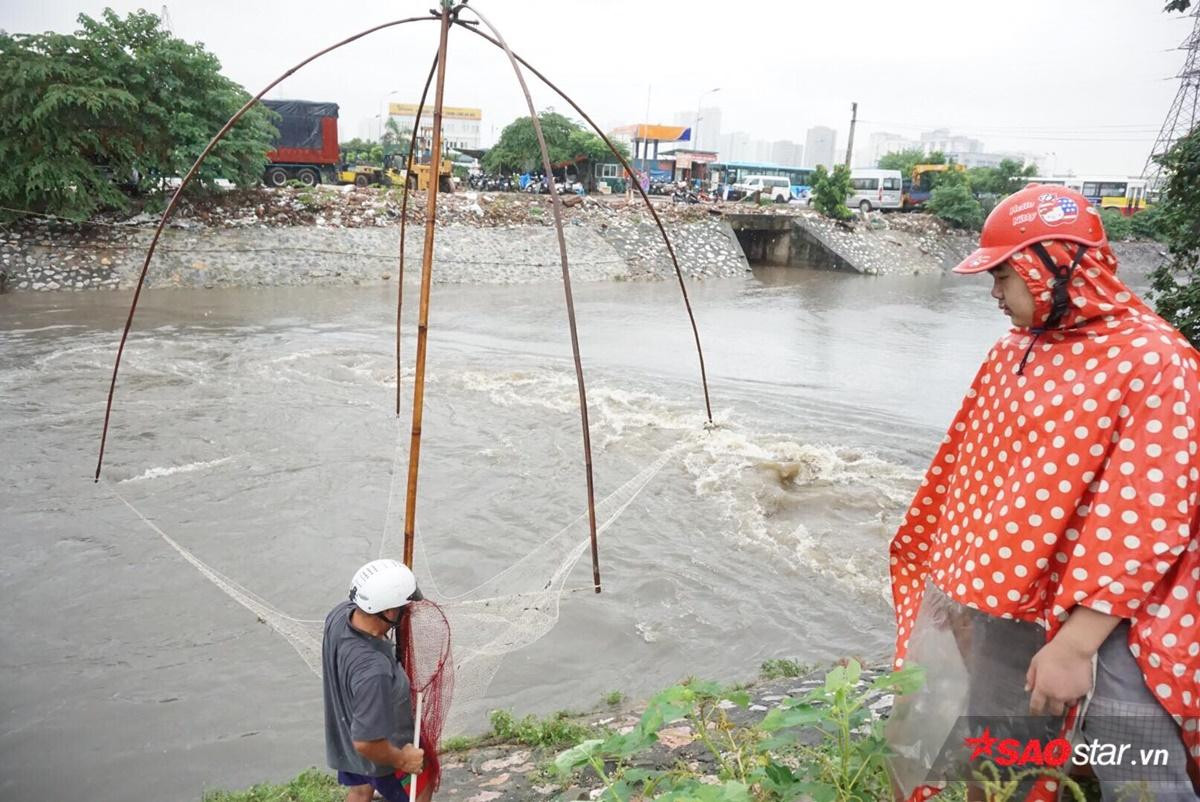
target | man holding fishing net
x=369, y=721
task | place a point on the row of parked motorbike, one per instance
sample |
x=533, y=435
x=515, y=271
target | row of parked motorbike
x=531, y=184
x=679, y=192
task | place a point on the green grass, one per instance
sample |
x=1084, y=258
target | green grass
x=312, y=785
x=613, y=698
x=780, y=668
x=462, y=743
x=556, y=730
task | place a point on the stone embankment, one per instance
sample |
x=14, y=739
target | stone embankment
x=295, y=237
x=290, y=237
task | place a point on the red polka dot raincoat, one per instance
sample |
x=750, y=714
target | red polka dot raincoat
x=1072, y=480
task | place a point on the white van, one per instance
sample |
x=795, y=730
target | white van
x=875, y=189
x=776, y=187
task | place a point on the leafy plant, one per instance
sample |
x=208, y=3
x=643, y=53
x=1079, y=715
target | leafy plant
x=1117, y=226
x=1147, y=224
x=754, y=762
x=952, y=201
x=119, y=104
x=830, y=190
x=613, y=698
x=1176, y=284
x=555, y=730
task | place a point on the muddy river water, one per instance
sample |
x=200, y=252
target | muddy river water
x=255, y=428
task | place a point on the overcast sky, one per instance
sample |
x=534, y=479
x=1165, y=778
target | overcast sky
x=1089, y=82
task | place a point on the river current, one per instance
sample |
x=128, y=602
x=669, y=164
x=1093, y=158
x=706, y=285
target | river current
x=256, y=428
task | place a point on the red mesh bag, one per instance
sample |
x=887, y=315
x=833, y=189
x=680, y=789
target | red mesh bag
x=424, y=650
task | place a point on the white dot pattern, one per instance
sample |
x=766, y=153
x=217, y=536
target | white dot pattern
x=1073, y=484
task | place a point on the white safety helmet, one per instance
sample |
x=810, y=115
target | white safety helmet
x=381, y=585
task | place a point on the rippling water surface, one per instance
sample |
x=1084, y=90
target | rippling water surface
x=254, y=427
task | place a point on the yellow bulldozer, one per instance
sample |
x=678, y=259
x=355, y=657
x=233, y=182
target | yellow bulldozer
x=365, y=175
x=419, y=173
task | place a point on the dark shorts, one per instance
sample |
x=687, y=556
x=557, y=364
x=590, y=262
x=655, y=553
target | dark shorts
x=389, y=786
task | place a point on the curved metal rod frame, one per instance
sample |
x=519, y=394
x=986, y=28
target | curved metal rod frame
x=556, y=207
x=187, y=179
x=650, y=206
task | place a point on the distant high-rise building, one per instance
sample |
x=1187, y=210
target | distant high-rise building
x=882, y=143
x=786, y=152
x=735, y=147
x=820, y=147
x=942, y=140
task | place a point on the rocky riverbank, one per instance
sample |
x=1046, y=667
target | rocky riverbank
x=507, y=772
x=344, y=235
x=294, y=237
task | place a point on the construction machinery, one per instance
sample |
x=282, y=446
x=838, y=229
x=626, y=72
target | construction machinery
x=919, y=187
x=419, y=172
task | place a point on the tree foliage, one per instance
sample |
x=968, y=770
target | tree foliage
x=953, y=201
x=830, y=190
x=120, y=101
x=902, y=160
x=566, y=140
x=1003, y=179
x=1176, y=284
x=361, y=151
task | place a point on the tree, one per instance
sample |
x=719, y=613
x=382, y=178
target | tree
x=567, y=142
x=830, y=190
x=1176, y=283
x=361, y=151
x=953, y=201
x=902, y=160
x=1003, y=179
x=119, y=100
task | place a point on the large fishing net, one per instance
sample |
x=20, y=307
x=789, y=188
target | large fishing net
x=510, y=611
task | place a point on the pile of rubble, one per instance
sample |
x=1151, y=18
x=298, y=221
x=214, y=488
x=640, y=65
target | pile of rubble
x=366, y=207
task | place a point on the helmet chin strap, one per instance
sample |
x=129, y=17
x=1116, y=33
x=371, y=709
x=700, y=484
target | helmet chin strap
x=1060, y=295
x=391, y=624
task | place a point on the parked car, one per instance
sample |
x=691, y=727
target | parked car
x=875, y=189
x=776, y=187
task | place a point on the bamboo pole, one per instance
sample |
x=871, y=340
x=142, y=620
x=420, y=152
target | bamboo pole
x=187, y=179
x=414, y=450
x=412, y=144
x=556, y=207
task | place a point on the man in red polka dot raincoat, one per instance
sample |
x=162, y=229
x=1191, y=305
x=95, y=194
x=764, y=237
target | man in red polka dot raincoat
x=1053, y=539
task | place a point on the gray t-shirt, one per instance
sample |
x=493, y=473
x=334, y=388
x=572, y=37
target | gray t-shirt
x=366, y=694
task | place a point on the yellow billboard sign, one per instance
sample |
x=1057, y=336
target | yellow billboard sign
x=449, y=112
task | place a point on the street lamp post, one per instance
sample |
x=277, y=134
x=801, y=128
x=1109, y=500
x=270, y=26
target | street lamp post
x=383, y=116
x=696, y=127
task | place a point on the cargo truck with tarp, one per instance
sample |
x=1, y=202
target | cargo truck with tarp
x=307, y=147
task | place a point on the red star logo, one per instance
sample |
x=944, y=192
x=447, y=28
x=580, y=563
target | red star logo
x=981, y=745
